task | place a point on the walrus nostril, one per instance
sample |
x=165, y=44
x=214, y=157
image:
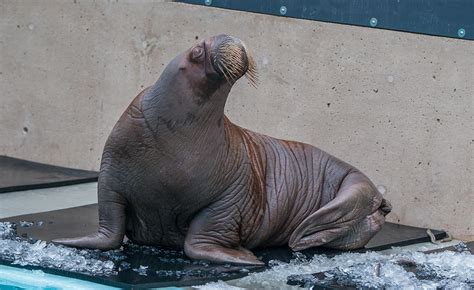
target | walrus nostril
x=231, y=58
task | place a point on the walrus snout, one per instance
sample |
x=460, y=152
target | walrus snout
x=231, y=59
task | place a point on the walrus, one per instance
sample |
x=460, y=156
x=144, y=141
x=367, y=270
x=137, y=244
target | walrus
x=176, y=172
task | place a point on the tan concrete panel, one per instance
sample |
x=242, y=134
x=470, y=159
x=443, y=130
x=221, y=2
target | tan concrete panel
x=399, y=106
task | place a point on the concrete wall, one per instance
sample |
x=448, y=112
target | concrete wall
x=399, y=106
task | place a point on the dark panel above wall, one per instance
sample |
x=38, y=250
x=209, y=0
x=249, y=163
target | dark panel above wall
x=448, y=18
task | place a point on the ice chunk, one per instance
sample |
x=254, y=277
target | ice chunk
x=462, y=247
x=141, y=270
x=124, y=266
x=26, y=224
x=7, y=230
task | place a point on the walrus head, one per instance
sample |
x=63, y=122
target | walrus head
x=194, y=86
x=216, y=62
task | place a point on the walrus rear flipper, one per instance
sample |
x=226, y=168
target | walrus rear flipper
x=111, y=225
x=349, y=221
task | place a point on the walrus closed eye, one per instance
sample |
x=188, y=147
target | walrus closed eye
x=176, y=172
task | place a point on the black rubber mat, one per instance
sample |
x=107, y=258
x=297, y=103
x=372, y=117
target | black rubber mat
x=17, y=174
x=175, y=269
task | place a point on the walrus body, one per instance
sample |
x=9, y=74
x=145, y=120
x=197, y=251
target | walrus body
x=176, y=172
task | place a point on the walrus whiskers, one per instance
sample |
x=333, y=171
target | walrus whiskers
x=233, y=60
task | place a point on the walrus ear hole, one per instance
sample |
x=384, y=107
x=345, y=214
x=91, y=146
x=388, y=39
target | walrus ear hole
x=196, y=54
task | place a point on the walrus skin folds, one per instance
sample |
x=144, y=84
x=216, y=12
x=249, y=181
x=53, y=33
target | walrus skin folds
x=175, y=172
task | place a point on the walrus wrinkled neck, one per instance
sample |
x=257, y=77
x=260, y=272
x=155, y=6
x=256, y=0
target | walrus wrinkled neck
x=190, y=140
x=172, y=111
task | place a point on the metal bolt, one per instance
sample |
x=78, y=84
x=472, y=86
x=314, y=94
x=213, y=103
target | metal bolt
x=208, y=2
x=283, y=10
x=461, y=32
x=373, y=21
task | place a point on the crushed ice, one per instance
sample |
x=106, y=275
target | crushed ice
x=7, y=230
x=217, y=285
x=361, y=270
x=39, y=253
x=368, y=270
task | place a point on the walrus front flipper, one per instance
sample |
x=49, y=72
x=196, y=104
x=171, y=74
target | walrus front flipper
x=214, y=238
x=349, y=221
x=111, y=225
